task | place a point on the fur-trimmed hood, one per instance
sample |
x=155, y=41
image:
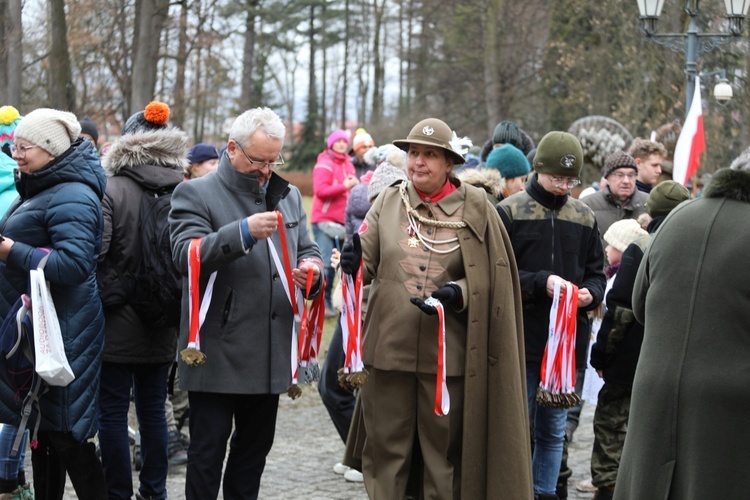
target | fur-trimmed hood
x=488, y=179
x=732, y=184
x=164, y=148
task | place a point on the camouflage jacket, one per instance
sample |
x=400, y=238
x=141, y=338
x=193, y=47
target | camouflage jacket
x=552, y=235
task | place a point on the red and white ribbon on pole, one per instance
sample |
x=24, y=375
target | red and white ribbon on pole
x=442, y=397
x=558, y=370
x=197, y=308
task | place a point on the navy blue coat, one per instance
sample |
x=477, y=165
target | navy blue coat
x=60, y=209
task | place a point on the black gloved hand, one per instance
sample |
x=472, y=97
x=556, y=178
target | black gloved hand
x=351, y=255
x=448, y=295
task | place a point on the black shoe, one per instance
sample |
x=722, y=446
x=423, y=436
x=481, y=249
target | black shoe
x=605, y=493
x=562, y=489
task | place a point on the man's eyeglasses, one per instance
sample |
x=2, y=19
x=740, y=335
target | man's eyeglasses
x=262, y=164
x=20, y=151
x=561, y=182
x=622, y=175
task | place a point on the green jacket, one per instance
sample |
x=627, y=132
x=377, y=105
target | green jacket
x=688, y=416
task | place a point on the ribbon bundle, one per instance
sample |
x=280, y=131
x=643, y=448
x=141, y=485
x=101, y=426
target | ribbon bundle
x=192, y=355
x=353, y=374
x=558, y=371
x=305, y=347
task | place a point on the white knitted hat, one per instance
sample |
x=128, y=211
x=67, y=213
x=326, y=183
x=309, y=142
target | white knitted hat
x=624, y=232
x=50, y=129
x=362, y=140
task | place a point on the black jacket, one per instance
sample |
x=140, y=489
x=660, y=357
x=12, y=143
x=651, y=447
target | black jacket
x=553, y=235
x=618, y=343
x=137, y=161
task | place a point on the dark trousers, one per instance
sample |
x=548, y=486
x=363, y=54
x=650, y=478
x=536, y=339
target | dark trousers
x=149, y=385
x=57, y=452
x=338, y=401
x=211, y=417
x=610, y=427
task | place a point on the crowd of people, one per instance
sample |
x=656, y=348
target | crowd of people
x=475, y=278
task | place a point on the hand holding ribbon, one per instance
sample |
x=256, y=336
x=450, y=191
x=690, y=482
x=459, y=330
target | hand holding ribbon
x=351, y=256
x=450, y=294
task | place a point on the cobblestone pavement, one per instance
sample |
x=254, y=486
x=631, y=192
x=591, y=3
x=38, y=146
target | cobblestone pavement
x=307, y=446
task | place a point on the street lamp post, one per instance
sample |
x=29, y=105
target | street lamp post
x=692, y=43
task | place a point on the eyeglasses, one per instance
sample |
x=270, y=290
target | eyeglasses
x=262, y=164
x=561, y=182
x=20, y=151
x=622, y=175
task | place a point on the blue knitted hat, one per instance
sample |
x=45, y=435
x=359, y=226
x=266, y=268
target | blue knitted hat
x=509, y=160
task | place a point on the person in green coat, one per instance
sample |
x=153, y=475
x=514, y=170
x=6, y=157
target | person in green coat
x=688, y=434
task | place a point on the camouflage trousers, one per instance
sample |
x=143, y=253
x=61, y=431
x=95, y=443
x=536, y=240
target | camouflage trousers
x=610, y=426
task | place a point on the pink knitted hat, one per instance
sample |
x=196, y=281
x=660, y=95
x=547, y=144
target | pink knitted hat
x=338, y=135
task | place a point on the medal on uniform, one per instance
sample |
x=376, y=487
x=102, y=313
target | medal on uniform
x=413, y=240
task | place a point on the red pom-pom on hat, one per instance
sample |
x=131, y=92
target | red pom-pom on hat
x=156, y=112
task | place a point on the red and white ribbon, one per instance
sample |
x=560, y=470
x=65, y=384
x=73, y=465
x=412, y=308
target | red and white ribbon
x=442, y=397
x=351, y=320
x=311, y=329
x=558, y=370
x=293, y=294
x=197, y=308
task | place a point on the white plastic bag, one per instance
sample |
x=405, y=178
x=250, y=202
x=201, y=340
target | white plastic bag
x=51, y=362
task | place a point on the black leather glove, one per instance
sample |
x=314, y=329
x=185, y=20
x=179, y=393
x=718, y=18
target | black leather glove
x=448, y=295
x=351, y=255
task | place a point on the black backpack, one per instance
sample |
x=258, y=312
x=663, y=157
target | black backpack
x=155, y=289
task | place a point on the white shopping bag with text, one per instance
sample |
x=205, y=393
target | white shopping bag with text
x=50, y=361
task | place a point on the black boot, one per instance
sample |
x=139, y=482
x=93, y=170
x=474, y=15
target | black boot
x=546, y=497
x=562, y=488
x=605, y=493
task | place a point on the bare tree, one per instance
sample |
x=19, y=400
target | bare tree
x=149, y=21
x=248, y=55
x=59, y=83
x=11, y=56
x=178, y=115
x=378, y=84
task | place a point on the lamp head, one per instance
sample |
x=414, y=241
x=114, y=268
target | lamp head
x=723, y=92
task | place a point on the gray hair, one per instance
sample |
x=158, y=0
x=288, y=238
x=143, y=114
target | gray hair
x=742, y=162
x=256, y=119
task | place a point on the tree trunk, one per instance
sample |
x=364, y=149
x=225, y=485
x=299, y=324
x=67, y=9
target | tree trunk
x=324, y=77
x=345, y=82
x=178, y=113
x=378, y=83
x=491, y=57
x=14, y=51
x=59, y=80
x=248, y=56
x=150, y=17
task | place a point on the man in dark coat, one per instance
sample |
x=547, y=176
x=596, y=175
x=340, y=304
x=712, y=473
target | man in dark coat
x=687, y=436
x=246, y=337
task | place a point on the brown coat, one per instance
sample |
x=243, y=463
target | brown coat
x=496, y=455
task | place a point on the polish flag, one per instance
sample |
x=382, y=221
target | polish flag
x=691, y=143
